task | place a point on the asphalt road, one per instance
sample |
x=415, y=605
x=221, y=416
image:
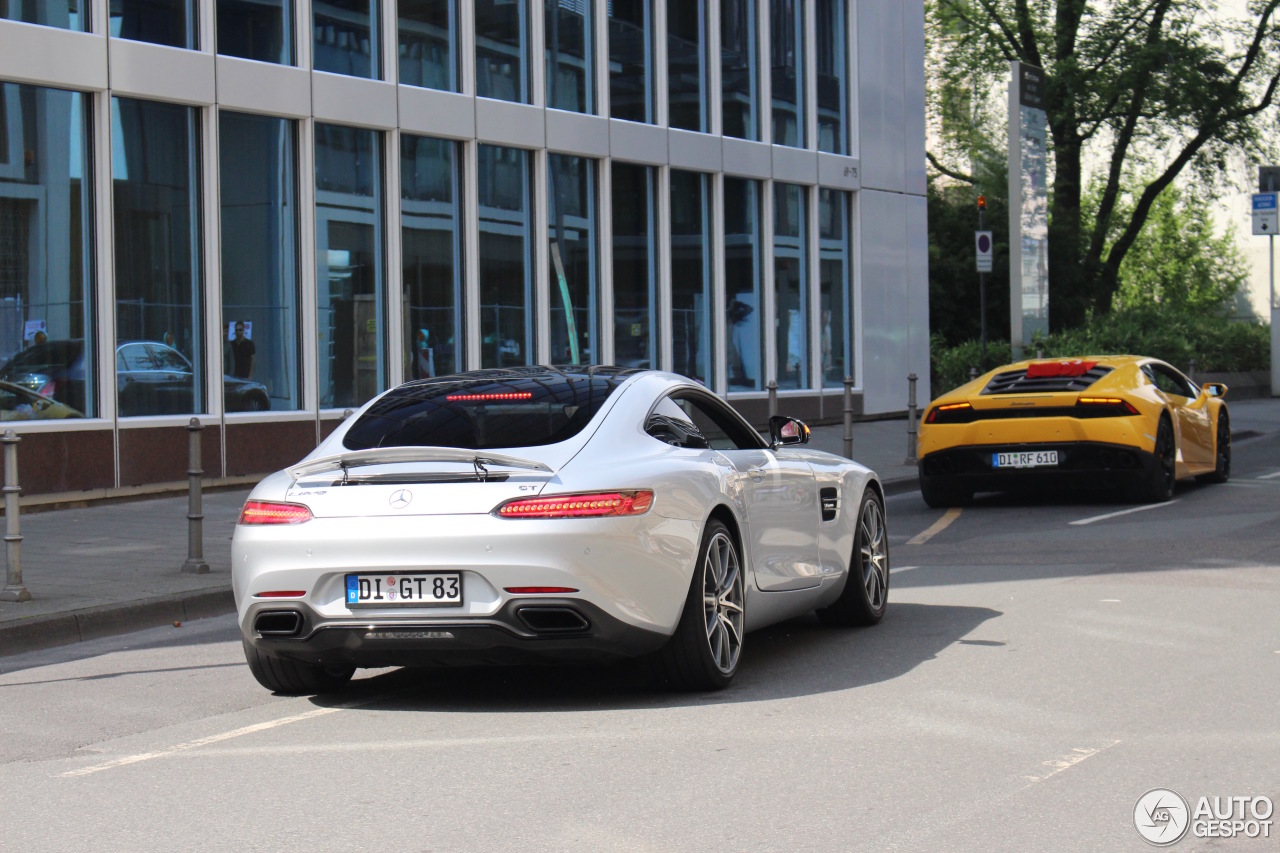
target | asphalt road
x=1044, y=663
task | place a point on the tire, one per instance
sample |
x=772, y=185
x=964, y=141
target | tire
x=1222, y=452
x=866, y=592
x=706, y=648
x=1157, y=486
x=943, y=494
x=293, y=678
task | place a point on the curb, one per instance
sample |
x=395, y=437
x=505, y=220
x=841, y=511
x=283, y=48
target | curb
x=108, y=620
x=900, y=485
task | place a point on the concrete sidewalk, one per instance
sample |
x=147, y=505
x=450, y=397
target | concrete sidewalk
x=112, y=568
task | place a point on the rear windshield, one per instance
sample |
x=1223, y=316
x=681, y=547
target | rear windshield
x=46, y=355
x=486, y=410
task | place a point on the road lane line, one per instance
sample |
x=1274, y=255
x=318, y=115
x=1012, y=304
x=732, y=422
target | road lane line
x=938, y=526
x=1083, y=521
x=206, y=741
x=1270, y=476
x=897, y=569
x=1066, y=762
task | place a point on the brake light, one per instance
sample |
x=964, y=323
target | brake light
x=951, y=413
x=1121, y=407
x=590, y=505
x=272, y=512
x=47, y=389
x=281, y=593
x=514, y=395
x=539, y=590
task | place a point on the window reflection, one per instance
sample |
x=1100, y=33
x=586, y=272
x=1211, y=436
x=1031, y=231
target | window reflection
x=635, y=251
x=742, y=283
x=349, y=264
x=786, y=48
x=571, y=223
x=259, y=199
x=687, y=65
x=64, y=14
x=501, y=48
x=506, y=269
x=738, y=67
x=346, y=37
x=630, y=59
x=156, y=194
x=429, y=43
x=256, y=29
x=832, y=75
x=791, y=285
x=835, y=285
x=46, y=253
x=570, y=56
x=168, y=22
x=691, y=276
x=432, y=251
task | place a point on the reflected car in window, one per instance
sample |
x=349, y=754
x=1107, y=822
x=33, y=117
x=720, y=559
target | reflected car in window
x=23, y=404
x=152, y=378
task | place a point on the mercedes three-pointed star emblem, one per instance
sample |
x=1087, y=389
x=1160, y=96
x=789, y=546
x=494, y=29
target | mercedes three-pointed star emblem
x=400, y=499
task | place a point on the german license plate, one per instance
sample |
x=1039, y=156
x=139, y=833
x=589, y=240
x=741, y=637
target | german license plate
x=435, y=589
x=1029, y=459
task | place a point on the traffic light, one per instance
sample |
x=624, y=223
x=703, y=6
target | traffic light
x=982, y=202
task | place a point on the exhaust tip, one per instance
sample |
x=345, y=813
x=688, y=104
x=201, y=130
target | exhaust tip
x=278, y=623
x=553, y=620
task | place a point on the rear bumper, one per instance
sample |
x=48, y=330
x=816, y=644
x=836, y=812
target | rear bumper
x=1085, y=464
x=524, y=630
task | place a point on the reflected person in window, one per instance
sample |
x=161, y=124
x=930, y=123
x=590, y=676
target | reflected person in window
x=242, y=353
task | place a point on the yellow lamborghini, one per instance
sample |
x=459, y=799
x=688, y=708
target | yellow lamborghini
x=1100, y=421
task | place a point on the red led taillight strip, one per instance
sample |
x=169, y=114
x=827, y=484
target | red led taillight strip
x=591, y=505
x=468, y=398
x=271, y=512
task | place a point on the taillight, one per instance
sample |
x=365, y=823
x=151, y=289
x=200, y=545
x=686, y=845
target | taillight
x=47, y=389
x=589, y=505
x=951, y=413
x=272, y=512
x=1107, y=406
x=539, y=590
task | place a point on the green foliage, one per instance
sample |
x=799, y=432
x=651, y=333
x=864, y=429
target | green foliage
x=1216, y=343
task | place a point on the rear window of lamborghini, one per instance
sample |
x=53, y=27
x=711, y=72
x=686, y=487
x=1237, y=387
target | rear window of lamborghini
x=487, y=409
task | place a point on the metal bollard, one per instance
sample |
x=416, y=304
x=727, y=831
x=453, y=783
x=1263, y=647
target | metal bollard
x=911, y=419
x=773, y=397
x=346, y=413
x=973, y=373
x=14, y=589
x=1039, y=352
x=195, y=563
x=1191, y=371
x=848, y=417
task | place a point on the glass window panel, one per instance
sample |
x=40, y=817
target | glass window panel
x=691, y=298
x=687, y=65
x=156, y=191
x=502, y=38
x=742, y=276
x=791, y=284
x=738, y=68
x=832, y=75
x=835, y=286
x=570, y=38
x=429, y=43
x=630, y=60
x=349, y=265
x=259, y=205
x=346, y=37
x=506, y=247
x=256, y=29
x=46, y=247
x=167, y=22
x=786, y=46
x=571, y=223
x=64, y=14
x=431, y=234
x=635, y=279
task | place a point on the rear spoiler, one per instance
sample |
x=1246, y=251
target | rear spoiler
x=386, y=455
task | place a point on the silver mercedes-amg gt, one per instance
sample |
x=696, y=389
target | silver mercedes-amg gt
x=576, y=513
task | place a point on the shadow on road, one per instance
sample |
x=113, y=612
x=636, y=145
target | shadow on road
x=797, y=658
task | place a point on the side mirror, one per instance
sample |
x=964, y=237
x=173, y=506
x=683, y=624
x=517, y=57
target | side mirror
x=784, y=430
x=1214, y=389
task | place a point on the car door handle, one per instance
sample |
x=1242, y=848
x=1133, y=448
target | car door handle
x=757, y=474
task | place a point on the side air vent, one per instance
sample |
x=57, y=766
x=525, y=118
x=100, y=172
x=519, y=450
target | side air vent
x=830, y=504
x=1016, y=381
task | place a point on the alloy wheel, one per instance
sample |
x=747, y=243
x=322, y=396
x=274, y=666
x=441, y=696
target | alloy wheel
x=875, y=554
x=722, y=602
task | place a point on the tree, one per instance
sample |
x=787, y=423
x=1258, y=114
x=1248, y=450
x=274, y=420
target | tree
x=1149, y=88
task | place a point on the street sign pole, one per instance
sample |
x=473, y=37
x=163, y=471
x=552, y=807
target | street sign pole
x=1266, y=220
x=1275, y=330
x=982, y=291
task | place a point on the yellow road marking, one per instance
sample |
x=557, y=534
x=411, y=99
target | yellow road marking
x=938, y=526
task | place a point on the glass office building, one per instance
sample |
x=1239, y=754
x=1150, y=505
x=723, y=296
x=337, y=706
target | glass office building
x=263, y=214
